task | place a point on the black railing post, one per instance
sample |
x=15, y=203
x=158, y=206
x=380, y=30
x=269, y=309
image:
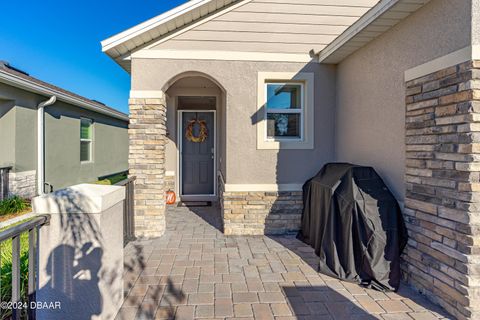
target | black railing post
x=4, y=187
x=14, y=233
x=16, y=277
x=32, y=252
x=128, y=209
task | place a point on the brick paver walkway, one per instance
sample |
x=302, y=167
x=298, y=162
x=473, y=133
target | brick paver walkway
x=195, y=272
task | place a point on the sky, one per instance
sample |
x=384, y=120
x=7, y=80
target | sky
x=58, y=41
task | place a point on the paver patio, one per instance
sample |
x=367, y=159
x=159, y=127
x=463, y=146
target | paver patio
x=195, y=272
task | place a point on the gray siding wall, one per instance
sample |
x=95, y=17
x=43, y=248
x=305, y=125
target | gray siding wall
x=370, y=118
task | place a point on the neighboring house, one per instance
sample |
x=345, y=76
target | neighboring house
x=53, y=138
x=284, y=87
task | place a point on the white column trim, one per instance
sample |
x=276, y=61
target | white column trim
x=446, y=61
x=146, y=94
x=262, y=187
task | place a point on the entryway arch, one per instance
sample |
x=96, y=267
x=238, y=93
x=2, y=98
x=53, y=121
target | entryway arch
x=192, y=168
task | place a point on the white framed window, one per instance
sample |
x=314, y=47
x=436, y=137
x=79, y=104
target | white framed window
x=284, y=105
x=285, y=110
x=86, y=140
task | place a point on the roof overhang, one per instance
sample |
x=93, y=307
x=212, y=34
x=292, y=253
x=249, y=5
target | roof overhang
x=120, y=46
x=31, y=86
x=379, y=19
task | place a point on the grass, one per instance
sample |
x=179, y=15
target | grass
x=6, y=270
x=113, y=179
x=13, y=205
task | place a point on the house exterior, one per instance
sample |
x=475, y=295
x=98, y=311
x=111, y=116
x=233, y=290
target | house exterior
x=66, y=138
x=283, y=87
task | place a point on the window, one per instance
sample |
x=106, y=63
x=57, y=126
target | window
x=86, y=140
x=284, y=110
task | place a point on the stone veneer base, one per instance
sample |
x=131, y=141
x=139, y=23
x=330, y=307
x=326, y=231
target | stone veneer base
x=260, y=213
x=23, y=183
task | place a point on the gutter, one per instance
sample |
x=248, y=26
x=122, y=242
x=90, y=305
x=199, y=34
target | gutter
x=31, y=86
x=41, y=143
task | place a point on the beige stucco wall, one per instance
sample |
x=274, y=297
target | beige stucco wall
x=370, y=114
x=244, y=163
x=475, y=16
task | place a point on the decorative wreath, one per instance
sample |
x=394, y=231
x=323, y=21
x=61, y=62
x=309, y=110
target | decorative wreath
x=202, y=135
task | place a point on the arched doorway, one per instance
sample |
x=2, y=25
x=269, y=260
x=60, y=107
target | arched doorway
x=194, y=152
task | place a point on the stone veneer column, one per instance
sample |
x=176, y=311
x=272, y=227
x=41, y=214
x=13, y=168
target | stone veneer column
x=442, y=202
x=147, y=136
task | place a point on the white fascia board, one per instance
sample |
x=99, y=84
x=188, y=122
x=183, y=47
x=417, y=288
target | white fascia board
x=40, y=89
x=221, y=55
x=357, y=27
x=150, y=24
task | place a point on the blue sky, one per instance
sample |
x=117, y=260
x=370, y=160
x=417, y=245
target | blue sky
x=58, y=41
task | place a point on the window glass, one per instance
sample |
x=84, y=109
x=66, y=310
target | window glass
x=283, y=96
x=283, y=125
x=284, y=110
x=86, y=129
x=86, y=136
x=85, y=150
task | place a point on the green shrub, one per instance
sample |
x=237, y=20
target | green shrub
x=113, y=179
x=13, y=204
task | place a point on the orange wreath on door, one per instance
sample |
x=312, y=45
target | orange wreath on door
x=203, y=133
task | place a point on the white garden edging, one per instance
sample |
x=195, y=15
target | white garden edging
x=9, y=222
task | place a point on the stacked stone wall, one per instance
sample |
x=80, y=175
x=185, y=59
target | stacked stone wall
x=259, y=213
x=147, y=139
x=442, y=203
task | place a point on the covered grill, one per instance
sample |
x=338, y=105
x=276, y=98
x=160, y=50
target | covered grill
x=355, y=225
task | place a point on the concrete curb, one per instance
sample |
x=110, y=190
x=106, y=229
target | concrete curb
x=9, y=222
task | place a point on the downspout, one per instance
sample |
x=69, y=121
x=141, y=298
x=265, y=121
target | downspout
x=41, y=143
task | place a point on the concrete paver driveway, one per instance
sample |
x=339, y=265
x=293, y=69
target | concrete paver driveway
x=195, y=272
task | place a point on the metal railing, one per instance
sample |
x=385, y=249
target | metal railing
x=4, y=183
x=128, y=210
x=14, y=233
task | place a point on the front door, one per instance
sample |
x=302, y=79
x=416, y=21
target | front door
x=197, y=153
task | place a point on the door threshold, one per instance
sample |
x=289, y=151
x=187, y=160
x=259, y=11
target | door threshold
x=187, y=198
x=194, y=204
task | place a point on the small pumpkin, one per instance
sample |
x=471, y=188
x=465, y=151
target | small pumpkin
x=171, y=197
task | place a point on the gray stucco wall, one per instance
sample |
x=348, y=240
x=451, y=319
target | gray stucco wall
x=370, y=116
x=18, y=123
x=244, y=163
x=22, y=126
x=62, y=146
x=7, y=133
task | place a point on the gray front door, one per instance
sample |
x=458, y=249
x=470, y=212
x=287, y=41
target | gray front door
x=198, y=157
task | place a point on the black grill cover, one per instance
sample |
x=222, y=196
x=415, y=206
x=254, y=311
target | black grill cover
x=355, y=225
